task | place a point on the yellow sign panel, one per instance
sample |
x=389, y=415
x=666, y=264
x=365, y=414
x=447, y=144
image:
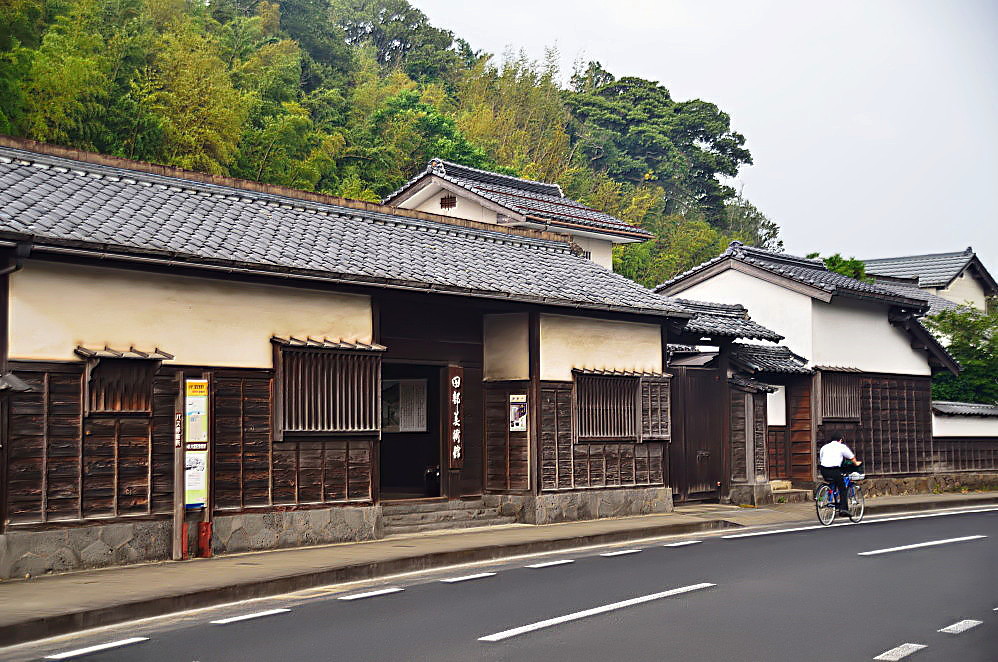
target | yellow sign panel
x=197, y=387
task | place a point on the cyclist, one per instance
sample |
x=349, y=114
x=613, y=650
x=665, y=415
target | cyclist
x=835, y=459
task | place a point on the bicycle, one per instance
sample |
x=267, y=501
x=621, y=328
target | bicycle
x=826, y=500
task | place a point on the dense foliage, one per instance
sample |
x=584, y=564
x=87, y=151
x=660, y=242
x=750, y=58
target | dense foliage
x=847, y=266
x=352, y=97
x=971, y=336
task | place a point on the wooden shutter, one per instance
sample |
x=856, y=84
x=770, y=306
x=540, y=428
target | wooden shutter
x=840, y=395
x=656, y=395
x=120, y=386
x=325, y=391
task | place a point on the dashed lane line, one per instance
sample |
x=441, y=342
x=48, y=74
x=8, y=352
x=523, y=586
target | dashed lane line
x=930, y=543
x=246, y=617
x=877, y=520
x=895, y=654
x=480, y=575
x=93, y=649
x=682, y=544
x=506, y=634
x=621, y=552
x=548, y=564
x=960, y=626
x=371, y=594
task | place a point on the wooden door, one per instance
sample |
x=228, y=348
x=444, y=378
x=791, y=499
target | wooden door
x=696, y=457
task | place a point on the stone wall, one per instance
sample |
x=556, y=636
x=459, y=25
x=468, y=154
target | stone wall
x=34, y=553
x=298, y=528
x=572, y=506
x=935, y=484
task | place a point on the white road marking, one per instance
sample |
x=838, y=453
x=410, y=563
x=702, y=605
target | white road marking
x=895, y=654
x=864, y=523
x=371, y=594
x=506, y=634
x=548, y=564
x=480, y=575
x=621, y=552
x=962, y=626
x=931, y=543
x=94, y=649
x=246, y=617
x=682, y=544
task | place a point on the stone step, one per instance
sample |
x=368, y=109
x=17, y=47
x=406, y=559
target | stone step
x=781, y=485
x=399, y=508
x=441, y=516
x=792, y=496
x=438, y=526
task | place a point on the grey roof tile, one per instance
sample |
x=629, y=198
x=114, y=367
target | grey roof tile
x=724, y=320
x=337, y=242
x=933, y=270
x=768, y=358
x=964, y=408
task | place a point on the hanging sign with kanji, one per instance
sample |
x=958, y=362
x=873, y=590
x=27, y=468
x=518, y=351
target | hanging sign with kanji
x=455, y=413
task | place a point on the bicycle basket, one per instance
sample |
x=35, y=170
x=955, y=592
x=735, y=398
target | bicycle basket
x=856, y=476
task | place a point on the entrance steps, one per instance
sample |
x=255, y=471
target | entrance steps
x=419, y=516
x=784, y=492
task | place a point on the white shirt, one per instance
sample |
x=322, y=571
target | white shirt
x=832, y=454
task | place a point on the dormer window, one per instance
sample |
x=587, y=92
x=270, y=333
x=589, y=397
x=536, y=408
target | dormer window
x=448, y=202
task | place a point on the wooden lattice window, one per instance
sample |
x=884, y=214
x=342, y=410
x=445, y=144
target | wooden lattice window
x=448, y=202
x=840, y=395
x=656, y=398
x=120, y=386
x=323, y=391
x=607, y=408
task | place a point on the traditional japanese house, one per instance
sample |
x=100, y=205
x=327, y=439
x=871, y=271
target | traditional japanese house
x=273, y=368
x=870, y=359
x=491, y=197
x=959, y=277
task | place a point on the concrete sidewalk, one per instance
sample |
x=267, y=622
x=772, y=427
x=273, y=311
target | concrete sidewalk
x=47, y=606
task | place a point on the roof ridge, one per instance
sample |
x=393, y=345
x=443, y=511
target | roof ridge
x=41, y=151
x=430, y=168
x=967, y=251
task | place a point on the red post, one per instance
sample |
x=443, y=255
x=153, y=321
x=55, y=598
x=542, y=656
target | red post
x=183, y=542
x=204, y=540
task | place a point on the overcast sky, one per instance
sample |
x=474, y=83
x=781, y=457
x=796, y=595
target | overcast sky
x=872, y=124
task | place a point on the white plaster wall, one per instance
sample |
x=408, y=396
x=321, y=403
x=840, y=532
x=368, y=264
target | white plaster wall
x=777, y=308
x=857, y=334
x=600, y=251
x=964, y=426
x=776, y=407
x=465, y=208
x=54, y=308
x=965, y=288
x=586, y=343
x=506, y=347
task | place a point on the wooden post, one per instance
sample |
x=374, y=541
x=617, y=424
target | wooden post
x=534, y=398
x=179, y=527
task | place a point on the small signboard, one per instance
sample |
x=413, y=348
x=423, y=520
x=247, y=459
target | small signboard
x=196, y=443
x=455, y=413
x=517, y=412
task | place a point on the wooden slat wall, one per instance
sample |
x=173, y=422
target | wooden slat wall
x=840, y=395
x=759, y=405
x=799, y=412
x=507, y=454
x=778, y=450
x=65, y=465
x=566, y=466
x=322, y=471
x=242, y=438
x=738, y=435
x=895, y=431
x=965, y=454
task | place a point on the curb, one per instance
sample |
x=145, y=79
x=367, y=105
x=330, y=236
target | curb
x=30, y=630
x=968, y=500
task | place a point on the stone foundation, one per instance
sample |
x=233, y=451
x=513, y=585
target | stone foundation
x=247, y=532
x=935, y=484
x=33, y=553
x=553, y=507
x=759, y=494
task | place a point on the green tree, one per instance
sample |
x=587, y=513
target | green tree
x=846, y=266
x=971, y=336
x=743, y=219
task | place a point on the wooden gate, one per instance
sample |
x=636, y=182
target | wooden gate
x=696, y=455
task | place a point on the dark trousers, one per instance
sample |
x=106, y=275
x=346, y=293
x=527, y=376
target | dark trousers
x=835, y=476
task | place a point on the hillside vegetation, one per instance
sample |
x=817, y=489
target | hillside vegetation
x=352, y=97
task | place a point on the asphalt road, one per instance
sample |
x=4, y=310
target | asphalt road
x=790, y=595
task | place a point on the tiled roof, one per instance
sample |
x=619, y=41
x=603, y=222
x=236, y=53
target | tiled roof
x=768, y=358
x=933, y=270
x=909, y=288
x=964, y=408
x=526, y=197
x=326, y=343
x=63, y=204
x=724, y=320
x=802, y=270
x=750, y=384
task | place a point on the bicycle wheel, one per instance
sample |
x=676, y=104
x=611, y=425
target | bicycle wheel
x=824, y=505
x=857, y=504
